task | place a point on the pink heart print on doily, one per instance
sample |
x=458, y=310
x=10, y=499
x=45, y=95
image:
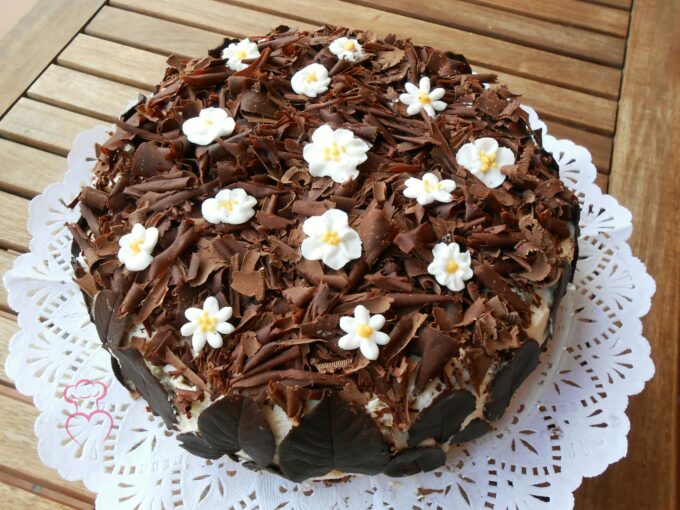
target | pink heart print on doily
x=89, y=425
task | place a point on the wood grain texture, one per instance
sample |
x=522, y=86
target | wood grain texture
x=25, y=49
x=114, y=61
x=82, y=93
x=8, y=327
x=18, y=161
x=644, y=179
x=508, y=26
x=13, y=232
x=43, y=126
x=499, y=55
x=6, y=262
x=22, y=498
x=598, y=18
x=568, y=106
x=19, y=448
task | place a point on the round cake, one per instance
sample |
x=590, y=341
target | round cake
x=325, y=253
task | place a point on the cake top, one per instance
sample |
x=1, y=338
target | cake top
x=322, y=212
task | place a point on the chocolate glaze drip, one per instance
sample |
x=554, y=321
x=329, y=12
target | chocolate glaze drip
x=286, y=308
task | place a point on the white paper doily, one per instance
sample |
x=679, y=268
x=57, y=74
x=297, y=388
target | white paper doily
x=90, y=428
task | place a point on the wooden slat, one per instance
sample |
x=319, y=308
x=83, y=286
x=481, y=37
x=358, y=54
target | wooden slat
x=602, y=181
x=26, y=50
x=18, y=161
x=114, y=61
x=8, y=327
x=54, y=495
x=82, y=93
x=151, y=33
x=569, y=106
x=500, y=55
x=19, y=448
x=15, y=497
x=13, y=232
x=597, y=18
x=508, y=26
x=44, y=126
x=620, y=4
x=6, y=262
x=644, y=178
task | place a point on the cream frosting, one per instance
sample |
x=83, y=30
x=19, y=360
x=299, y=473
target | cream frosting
x=311, y=80
x=136, y=247
x=335, y=153
x=211, y=124
x=236, y=53
x=429, y=189
x=232, y=206
x=363, y=332
x=484, y=159
x=450, y=267
x=422, y=98
x=207, y=324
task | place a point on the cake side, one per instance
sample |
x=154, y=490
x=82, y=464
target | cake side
x=289, y=383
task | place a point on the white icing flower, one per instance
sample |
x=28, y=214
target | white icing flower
x=363, y=332
x=211, y=124
x=450, y=267
x=429, y=189
x=236, y=53
x=311, y=80
x=233, y=206
x=346, y=49
x=330, y=239
x=484, y=159
x=335, y=154
x=207, y=324
x=422, y=98
x=136, y=247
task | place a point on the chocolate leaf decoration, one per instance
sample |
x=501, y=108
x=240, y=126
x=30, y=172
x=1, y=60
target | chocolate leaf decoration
x=476, y=428
x=236, y=423
x=110, y=328
x=197, y=445
x=443, y=417
x=134, y=369
x=336, y=434
x=509, y=378
x=415, y=460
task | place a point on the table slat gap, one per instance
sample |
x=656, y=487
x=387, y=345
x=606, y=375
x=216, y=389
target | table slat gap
x=487, y=21
x=527, y=62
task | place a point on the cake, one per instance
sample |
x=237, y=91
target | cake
x=325, y=253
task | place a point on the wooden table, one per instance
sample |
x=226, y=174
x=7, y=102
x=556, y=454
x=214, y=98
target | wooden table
x=604, y=73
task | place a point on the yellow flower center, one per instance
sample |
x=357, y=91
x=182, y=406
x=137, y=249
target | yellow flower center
x=451, y=267
x=228, y=204
x=311, y=77
x=488, y=161
x=208, y=122
x=206, y=322
x=333, y=152
x=241, y=54
x=350, y=46
x=429, y=187
x=331, y=237
x=424, y=98
x=364, y=330
x=135, y=246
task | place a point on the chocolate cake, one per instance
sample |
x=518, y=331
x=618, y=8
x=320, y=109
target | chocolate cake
x=325, y=253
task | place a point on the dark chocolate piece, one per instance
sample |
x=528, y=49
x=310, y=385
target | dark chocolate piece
x=111, y=329
x=443, y=418
x=415, y=460
x=133, y=368
x=510, y=377
x=197, y=445
x=476, y=428
x=236, y=423
x=336, y=434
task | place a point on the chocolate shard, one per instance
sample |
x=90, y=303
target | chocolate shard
x=134, y=369
x=476, y=428
x=110, y=328
x=336, y=434
x=443, y=417
x=197, y=445
x=236, y=423
x=415, y=460
x=510, y=377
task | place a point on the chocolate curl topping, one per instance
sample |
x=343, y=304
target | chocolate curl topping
x=287, y=309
